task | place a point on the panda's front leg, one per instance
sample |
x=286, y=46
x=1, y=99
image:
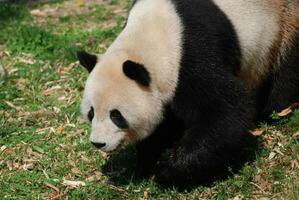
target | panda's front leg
x=200, y=156
x=149, y=150
x=217, y=113
x=147, y=155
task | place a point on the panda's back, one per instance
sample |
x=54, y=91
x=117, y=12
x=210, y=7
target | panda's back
x=249, y=37
x=260, y=31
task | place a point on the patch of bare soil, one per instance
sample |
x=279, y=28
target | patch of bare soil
x=51, y=13
x=72, y=7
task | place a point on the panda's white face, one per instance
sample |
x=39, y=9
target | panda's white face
x=135, y=95
x=121, y=110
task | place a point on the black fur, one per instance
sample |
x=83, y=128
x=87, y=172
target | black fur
x=210, y=103
x=205, y=126
x=137, y=72
x=87, y=60
x=281, y=88
x=117, y=118
x=150, y=149
x=90, y=114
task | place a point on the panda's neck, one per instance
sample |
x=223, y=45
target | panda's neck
x=154, y=34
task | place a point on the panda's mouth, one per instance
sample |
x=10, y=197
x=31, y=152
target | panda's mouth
x=122, y=145
x=118, y=148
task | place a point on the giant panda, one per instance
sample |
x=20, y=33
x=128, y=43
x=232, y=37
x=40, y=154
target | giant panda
x=187, y=79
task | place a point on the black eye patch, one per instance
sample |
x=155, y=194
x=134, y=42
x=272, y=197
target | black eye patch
x=90, y=114
x=117, y=118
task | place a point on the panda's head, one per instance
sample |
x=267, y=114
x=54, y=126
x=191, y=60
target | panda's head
x=119, y=100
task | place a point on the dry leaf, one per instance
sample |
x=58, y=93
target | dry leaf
x=56, y=110
x=7, y=151
x=46, y=175
x=13, y=106
x=70, y=125
x=37, y=155
x=272, y=155
x=62, y=98
x=9, y=165
x=238, y=197
x=294, y=165
x=38, y=113
x=57, y=195
x=29, y=150
x=28, y=166
x=257, y=132
x=33, y=153
x=104, y=155
x=257, y=186
x=121, y=191
x=85, y=159
x=38, y=13
x=16, y=165
x=76, y=171
x=73, y=184
x=60, y=129
x=257, y=178
x=13, y=165
x=277, y=150
x=145, y=195
x=96, y=177
x=66, y=70
x=52, y=186
x=3, y=148
x=296, y=135
x=288, y=110
x=2, y=70
x=26, y=60
x=72, y=163
x=41, y=131
x=50, y=91
x=285, y=112
x=81, y=120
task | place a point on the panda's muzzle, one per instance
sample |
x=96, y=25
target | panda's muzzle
x=98, y=145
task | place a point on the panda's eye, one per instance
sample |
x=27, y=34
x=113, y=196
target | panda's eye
x=90, y=114
x=117, y=118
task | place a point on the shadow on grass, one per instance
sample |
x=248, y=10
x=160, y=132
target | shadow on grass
x=12, y=12
x=120, y=169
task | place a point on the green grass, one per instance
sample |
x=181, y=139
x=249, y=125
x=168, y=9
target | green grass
x=43, y=140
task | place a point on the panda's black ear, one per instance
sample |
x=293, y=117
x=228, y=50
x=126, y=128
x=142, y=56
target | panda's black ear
x=137, y=72
x=87, y=60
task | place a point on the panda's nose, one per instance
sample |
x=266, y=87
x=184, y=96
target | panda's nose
x=98, y=145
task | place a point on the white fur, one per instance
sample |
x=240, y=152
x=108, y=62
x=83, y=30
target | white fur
x=257, y=25
x=154, y=32
x=152, y=37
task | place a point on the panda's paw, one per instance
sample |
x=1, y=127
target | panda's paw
x=168, y=171
x=164, y=174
